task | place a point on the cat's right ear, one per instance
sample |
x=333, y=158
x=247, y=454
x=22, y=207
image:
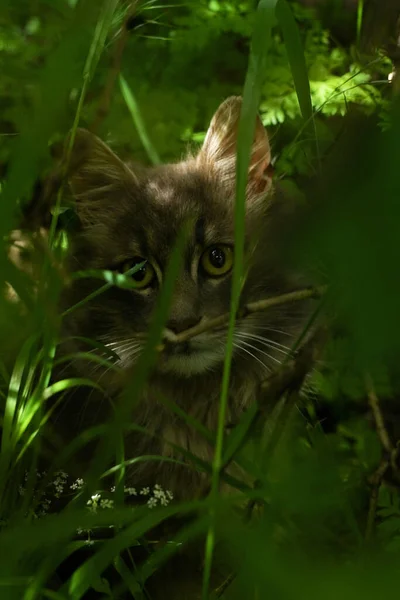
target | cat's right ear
x=218, y=152
x=95, y=174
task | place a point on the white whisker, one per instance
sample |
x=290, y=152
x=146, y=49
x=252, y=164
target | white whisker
x=236, y=345
x=121, y=343
x=281, y=331
x=266, y=342
x=261, y=351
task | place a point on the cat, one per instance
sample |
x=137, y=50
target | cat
x=130, y=215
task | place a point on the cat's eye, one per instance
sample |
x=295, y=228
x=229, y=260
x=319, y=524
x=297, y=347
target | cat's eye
x=144, y=276
x=217, y=260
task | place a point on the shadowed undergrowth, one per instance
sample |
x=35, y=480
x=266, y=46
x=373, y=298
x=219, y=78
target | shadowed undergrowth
x=318, y=446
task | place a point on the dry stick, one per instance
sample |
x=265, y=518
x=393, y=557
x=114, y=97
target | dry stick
x=375, y=481
x=373, y=402
x=252, y=307
x=122, y=38
x=390, y=460
x=224, y=585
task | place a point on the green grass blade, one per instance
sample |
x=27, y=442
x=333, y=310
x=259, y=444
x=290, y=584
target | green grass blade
x=90, y=357
x=36, y=405
x=360, y=18
x=122, y=280
x=134, y=109
x=128, y=578
x=96, y=47
x=238, y=435
x=13, y=394
x=187, y=418
x=297, y=61
x=160, y=556
x=256, y=72
x=144, y=364
x=82, y=578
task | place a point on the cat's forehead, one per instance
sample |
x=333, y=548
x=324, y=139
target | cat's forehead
x=177, y=194
x=184, y=188
x=167, y=199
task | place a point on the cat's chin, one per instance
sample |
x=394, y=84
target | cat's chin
x=196, y=362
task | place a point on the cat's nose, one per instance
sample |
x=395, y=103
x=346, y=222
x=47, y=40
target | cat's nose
x=178, y=325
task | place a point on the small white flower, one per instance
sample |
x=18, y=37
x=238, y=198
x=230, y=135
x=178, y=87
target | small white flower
x=77, y=485
x=93, y=502
x=152, y=502
x=131, y=491
x=164, y=496
x=145, y=491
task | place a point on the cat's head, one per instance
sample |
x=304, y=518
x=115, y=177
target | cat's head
x=130, y=214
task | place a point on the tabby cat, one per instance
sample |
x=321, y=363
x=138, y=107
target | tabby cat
x=131, y=215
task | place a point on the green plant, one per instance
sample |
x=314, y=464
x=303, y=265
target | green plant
x=311, y=512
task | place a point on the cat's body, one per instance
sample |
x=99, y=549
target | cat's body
x=130, y=214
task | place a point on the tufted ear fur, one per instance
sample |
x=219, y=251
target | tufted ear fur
x=97, y=176
x=219, y=149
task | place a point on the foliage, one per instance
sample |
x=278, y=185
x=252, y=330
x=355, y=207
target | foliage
x=326, y=476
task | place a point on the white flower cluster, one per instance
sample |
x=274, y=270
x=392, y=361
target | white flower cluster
x=77, y=485
x=128, y=491
x=43, y=505
x=157, y=496
x=59, y=483
x=96, y=502
x=43, y=508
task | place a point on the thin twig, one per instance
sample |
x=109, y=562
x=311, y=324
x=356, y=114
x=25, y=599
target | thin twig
x=373, y=402
x=388, y=460
x=224, y=585
x=252, y=307
x=376, y=482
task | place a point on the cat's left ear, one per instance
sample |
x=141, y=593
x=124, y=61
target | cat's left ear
x=97, y=178
x=219, y=149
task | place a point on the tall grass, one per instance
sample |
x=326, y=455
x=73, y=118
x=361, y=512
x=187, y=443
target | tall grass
x=274, y=539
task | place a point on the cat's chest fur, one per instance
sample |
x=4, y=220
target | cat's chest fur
x=173, y=435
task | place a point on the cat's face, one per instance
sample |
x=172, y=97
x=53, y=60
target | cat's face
x=130, y=215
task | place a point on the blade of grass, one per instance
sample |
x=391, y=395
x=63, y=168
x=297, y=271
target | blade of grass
x=142, y=369
x=360, y=16
x=81, y=579
x=160, y=556
x=298, y=66
x=134, y=109
x=122, y=280
x=260, y=42
x=128, y=578
x=21, y=372
x=297, y=61
x=96, y=47
x=36, y=403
